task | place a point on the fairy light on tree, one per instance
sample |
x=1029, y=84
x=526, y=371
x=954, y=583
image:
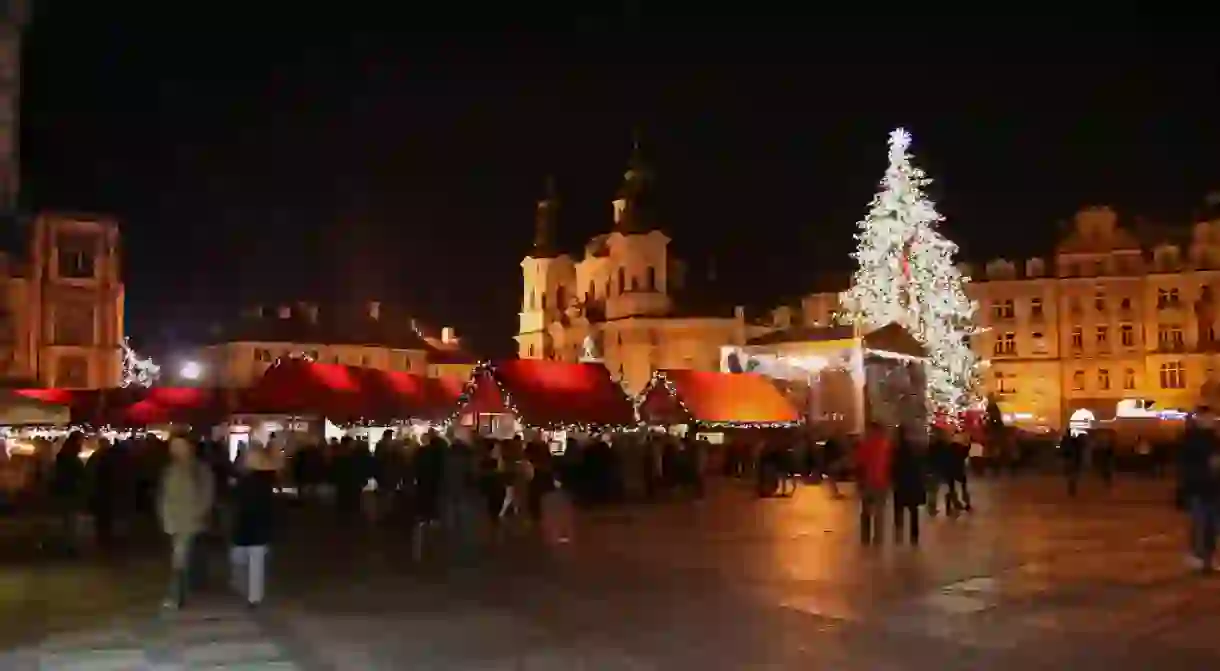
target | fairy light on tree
x=137, y=371
x=906, y=274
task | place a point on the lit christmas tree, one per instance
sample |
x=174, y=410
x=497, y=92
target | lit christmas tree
x=906, y=275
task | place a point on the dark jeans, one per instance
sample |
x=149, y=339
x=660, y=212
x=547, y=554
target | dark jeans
x=872, y=510
x=1204, y=525
x=955, y=500
x=906, y=512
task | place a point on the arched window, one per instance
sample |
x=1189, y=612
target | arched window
x=622, y=280
x=560, y=296
x=652, y=278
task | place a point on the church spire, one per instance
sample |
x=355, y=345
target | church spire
x=632, y=211
x=544, y=220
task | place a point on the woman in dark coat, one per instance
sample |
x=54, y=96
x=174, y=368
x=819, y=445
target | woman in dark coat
x=910, y=490
x=253, y=522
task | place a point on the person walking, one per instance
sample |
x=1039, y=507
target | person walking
x=253, y=522
x=873, y=463
x=183, y=506
x=1199, y=487
x=910, y=489
x=68, y=480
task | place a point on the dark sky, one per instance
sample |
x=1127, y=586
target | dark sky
x=253, y=159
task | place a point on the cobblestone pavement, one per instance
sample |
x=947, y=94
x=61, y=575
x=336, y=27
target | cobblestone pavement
x=1030, y=580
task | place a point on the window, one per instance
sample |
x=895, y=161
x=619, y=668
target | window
x=1129, y=378
x=1006, y=344
x=635, y=283
x=1103, y=338
x=73, y=324
x=532, y=302
x=561, y=296
x=312, y=354
x=652, y=278
x=1039, y=343
x=592, y=292
x=1127, y=333
x=1035, y=308
x=1099, y=301
x=622, y=280
x=531, y=351
x=1103, y=378
x=1078, y=381
x=1169, y=337
x=1077, y=337
x=543, y=301
x=1005, y=384
x=1125, y=305
x=1173, y=375
x=1167, y=298
x=364, y=360
x=72, y=371
x=76, y=255
x=1003, y=309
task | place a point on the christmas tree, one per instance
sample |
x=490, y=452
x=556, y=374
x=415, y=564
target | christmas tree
x=906, y=274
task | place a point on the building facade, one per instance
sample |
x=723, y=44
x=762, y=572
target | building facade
x=622, y=300
x=1105, y=318
x=62, y=321
x=372, y=336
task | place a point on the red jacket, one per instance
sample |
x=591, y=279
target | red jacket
x=873, y=457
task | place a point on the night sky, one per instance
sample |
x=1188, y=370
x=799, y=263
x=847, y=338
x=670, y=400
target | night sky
x=251, y=161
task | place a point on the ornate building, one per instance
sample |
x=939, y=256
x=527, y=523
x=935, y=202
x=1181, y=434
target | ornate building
x=371, y=335
x=61, y=319
x=1104, y=319
x=622, y=301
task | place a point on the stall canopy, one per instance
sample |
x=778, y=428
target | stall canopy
x=84, y=405
x=17, y=409
x=715, y=399
x=348, y=393
x=158, y=406
x=549, y=394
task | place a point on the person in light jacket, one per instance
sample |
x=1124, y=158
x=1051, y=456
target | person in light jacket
x=253, y=522
x=183, y=505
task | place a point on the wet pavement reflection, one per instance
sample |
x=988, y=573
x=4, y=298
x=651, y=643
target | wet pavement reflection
x=1030, y=580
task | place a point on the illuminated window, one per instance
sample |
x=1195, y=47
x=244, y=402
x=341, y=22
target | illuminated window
x=1103, y=379
x=1129, y=378
x=1103, y=338
x=1078, y=381
x=1173, y=375
x=1077, y=337
x=1127, y=333
x=1035, y=308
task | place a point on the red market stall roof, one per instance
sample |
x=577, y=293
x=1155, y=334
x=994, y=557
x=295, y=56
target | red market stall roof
x=137, y=406
x=347, y=393
x=715, y=399
x=549, y=394
x=85, y=405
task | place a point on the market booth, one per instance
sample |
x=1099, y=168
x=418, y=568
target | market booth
x=709, y=403
x=331, y=400
x=503, y=398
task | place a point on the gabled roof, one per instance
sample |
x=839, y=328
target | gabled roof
x=546, y=394
x=741, y=399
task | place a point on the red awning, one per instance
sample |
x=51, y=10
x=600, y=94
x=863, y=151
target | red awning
x=721, y=398
x=138, y=407
x=550, y=393
x=85, y=404
x=348, y=393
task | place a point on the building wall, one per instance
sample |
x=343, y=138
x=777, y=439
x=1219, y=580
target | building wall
x=1095, y=322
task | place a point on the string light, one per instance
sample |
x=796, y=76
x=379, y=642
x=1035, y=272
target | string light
x=137, y=371
x=487, y=370
x=659, y=378
x=906, y=275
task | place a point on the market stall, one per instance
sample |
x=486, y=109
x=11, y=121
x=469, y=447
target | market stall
x=504, y=398
x=711, y=402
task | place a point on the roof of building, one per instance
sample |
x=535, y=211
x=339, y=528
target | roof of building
x=722, y=398
x=390, y=328
x=544, y=393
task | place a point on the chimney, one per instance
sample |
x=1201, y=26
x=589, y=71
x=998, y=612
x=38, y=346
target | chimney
x=374, y=310
x=285, y=312
x=447, y=336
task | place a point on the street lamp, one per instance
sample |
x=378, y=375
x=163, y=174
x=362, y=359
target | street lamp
x=191, y=370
